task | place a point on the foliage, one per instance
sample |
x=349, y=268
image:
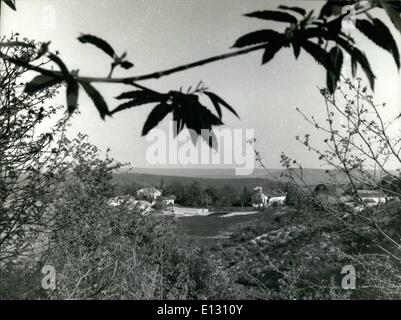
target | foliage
x=246, y=198
x=114, y=252
x=301, y=255
x=31, y=157
x=360, y=143
x=294, y=196
x=105, y=252
x=304, y=27
x=194, y=195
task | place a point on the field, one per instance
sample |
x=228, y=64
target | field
x=206, y=230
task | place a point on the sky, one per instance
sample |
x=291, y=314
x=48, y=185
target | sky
x=159, y=34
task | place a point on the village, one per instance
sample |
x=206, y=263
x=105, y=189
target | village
x=151, y=200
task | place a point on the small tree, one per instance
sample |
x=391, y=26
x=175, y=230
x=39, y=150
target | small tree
x=360, y=144
x=246, y=197
x=31, y=158
x=294, y=196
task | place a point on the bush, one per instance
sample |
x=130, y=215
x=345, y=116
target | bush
x=105, y=252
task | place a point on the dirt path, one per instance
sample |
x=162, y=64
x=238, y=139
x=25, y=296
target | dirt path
x=238, y=213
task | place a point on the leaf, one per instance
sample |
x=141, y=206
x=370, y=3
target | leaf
x=212, y=140
x=189, y=112
x=325, y=11
x=138, y=97
x=196, y=116
x=192, y=116
x=378, y=32
x=100, y=43
x=72, y=84
x=270, y=52
x=295, y=9
x=359, y=57
x=395, y=4
x=307, y=19
x=96, y=98
x=41, y=82
x=11, y=4
x=177, y=118
x=337, y=58
x=61, y=64
x=207, y=120
x=156, y=115
x=354, y=66
x=333, y=7
x=319, y=54
x=216, y=106
x=216, y=99
x=393, y=11
x=256, y=37
x=134, y=103
x=331, y=61
x=126, y=64
x=297, y=48
x=273, y=15
x=72, y=95
x=138, y=94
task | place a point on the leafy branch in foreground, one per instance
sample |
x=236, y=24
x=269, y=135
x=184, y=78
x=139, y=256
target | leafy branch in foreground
x=322, y=37
x=185, y=108
x=303, y=28
x=358, y=201
x=10, y=3
x=107, y=48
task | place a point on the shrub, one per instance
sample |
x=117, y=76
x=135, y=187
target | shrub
x=106, y=252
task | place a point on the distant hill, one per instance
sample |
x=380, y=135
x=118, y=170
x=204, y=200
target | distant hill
x=269, y=181
x=148, y=180
x=310, y=175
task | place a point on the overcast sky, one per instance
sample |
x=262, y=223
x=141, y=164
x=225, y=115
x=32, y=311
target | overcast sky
x=160, y=34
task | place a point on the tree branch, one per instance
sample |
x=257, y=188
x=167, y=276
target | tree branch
x=131, y=80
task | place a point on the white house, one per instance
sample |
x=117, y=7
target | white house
x=166, y=200
x=259, y=199
x=276, y=198
x=150, y=194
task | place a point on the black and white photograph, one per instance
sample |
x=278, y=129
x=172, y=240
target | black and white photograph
x=214, y=151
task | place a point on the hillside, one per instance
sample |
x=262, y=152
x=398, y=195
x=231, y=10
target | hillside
x=311, y=176
x=148, y=180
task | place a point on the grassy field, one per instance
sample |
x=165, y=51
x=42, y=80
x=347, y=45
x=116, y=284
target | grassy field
x=206, y=230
